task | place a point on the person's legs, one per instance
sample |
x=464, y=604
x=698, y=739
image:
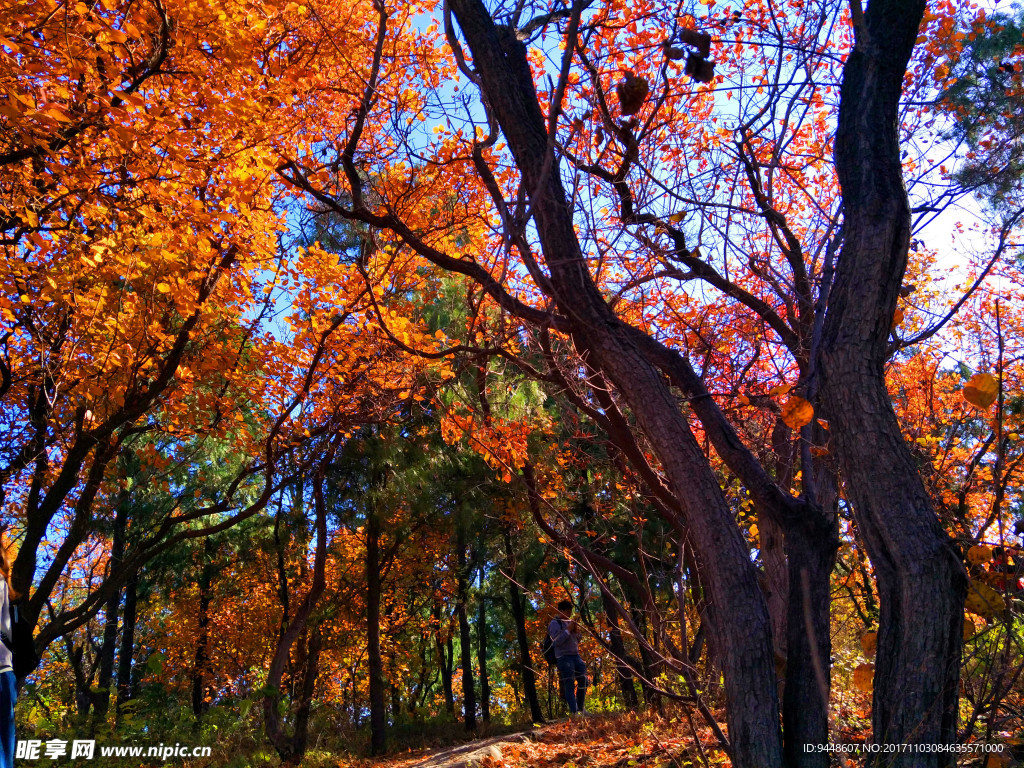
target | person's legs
x=580, y=673
x=566, y=678
x=8, y=695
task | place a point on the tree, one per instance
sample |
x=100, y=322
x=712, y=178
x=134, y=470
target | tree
x=920, y=576
x=570, y=281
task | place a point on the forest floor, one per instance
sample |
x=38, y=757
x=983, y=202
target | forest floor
x=609, y=741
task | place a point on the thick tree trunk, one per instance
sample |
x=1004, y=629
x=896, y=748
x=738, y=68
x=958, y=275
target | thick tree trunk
x=468, y=687
x=375, y=661
x=811, y=557
x=738, y=619
x=921, y=580
x=772, y=547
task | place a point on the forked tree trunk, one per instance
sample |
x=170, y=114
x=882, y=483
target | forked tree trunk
x=738, y=620
x=289, y=748
x=921, y=581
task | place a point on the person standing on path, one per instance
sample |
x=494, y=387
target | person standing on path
x=572, y=672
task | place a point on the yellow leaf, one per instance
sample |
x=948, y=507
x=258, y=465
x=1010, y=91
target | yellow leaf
x=864, y=677
x=983, y=601
x=969, y=629
x=797, y=412
x=676, y=217
x=781, y=389
x=163, y=287
x=981, y=391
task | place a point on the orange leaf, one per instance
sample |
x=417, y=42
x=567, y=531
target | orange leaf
x=868, y=643
x=981, y=391
x=897, y=318
x=979, y=554
x=796, y=412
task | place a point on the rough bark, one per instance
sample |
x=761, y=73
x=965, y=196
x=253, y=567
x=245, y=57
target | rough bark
x=921, y=581
x=810, y=555
x=771, y=544
x=738, y=619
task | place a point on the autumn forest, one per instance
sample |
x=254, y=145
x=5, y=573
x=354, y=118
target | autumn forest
x=342, y=340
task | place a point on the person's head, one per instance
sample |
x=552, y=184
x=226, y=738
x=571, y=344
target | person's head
x=565, y=607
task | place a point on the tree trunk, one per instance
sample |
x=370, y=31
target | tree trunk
x=738, y=619
x=481, y=657
x=526, y=669
x=395, y=693
x=811, y=556
x=376, y=662
x=468, y=687
x=126, y=653
x=203, y=631
x=109, y=645
x=445, y=653
x=772, y=548
x=310, y=671
x=921, y=581
x=651, y=697
x=622, y=661
x=286, y=747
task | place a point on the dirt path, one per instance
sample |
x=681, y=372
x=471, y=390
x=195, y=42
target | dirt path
x=470, y=755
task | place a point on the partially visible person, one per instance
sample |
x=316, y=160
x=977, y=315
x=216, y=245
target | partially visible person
x=572, y=672
x=8, y=683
